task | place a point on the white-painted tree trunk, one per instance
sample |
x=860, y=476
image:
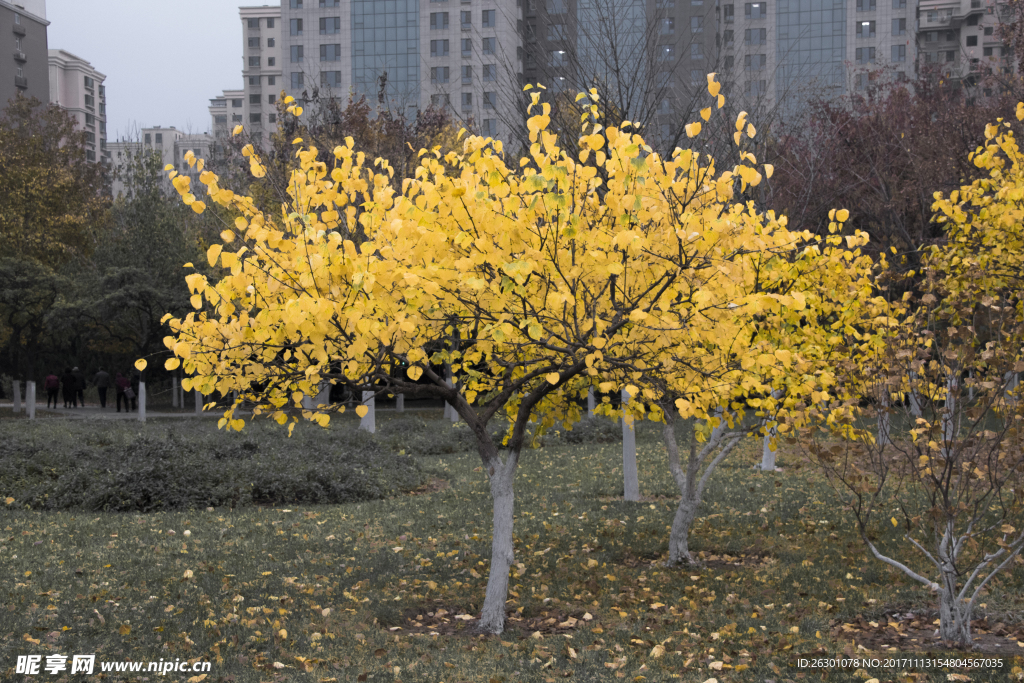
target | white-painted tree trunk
x=915, y=403
x=323, y=399
x=199, y=401
x=142, y=401
x=16, y=394
x=449, y=410
x=30, y=399
x=174, y=392
x=630, y=476
x=369, y=421
x=492, y=616
x=767, y=451
x=400, y=403
x=949, y=421
x=591, y=403
x=307, y=402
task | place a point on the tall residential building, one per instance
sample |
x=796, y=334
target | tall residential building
x=78, y=88
x=405, y=54
x=23, y=65
x=960, y=39
x=170, y=144
x=261, y=68
x=227, y=110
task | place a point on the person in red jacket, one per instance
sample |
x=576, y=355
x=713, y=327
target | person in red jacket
x=52, y=386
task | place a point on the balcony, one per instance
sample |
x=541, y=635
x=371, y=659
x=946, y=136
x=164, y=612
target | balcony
x=20, y=82
x=19, y=30
x=20, y=56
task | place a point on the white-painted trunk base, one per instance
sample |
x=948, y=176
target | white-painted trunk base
x=591, y=403
x=199, y=401
x=400, y=403
x=369, y=421
x=142, y=401
x=630, y=476
x=492, y=616
x=30, y=399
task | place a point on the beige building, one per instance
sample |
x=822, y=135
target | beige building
x=227, y=110
x=79, y=89
x=23, y=64
x=170, y=144
x=960, y=39
x=261, y=69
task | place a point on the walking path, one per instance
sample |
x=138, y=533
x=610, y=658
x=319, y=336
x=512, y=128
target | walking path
x=109, y=413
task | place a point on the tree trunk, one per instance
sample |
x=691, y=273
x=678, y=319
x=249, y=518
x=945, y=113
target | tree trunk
x=590, y=403
x=492, y=617
x=954, y=615
x=767, y=453
x=679, y=539
x=630, y=476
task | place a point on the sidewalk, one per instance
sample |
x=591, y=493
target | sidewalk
x=94, y=412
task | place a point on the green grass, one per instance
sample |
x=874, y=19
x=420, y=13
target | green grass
x=378, y=565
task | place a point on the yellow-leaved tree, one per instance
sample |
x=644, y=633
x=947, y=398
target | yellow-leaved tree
x=532, y=281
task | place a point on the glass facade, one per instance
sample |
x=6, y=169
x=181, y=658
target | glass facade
x=811, y=48
x=385, y=38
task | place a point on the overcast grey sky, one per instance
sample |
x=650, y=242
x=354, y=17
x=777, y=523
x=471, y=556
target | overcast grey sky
x=164, y=59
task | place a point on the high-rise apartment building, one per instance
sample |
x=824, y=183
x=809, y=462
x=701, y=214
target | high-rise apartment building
x=227, y=110
x=261, y=69
x=23, y=64
x=170, y=144
x=961, y=39
x=405, y=55
x=79, y=89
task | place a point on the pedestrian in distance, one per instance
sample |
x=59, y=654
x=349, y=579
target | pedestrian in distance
x=102, y=382
x=52, y=386
x=69, y=388
x=80, y=390
x=120, y=384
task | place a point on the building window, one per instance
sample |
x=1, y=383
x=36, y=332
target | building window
x=149, y=140
x=297, y=53
x=271, y=80
x=862, y=81
x=755, y=10
x=755, y=88
x=489, y=46
x=236, y=118
x=986, y=52
x=254, y=118
x=490, y=128
x=467, y=101
x=730, y=62
x=557, y=7
x=972, y=41
x=865, y=55
x=490, y=100
x=666, y=53
x=295, y=27
x=330, y=3
x=297, y=80
x=950, y=56
x=729, y=13
x=271, y=42
x=91, y=120
x=270, y=22
x=295, y=4
x=439, y=48
x=236, y=102
x=754, y=62
x=221, y=118
x=159, y=138
x=89, y=83
x=487, y=18
x=899, y=27
x=17, y=18
x=988, y=30
x=330, y=25
x=254, y=62
x=272, y=118
x=668, y=26
x=253, y=23
x=899, y=4
x=271, y=61
x=271, y=99
x=90, y=155
x=467, y=75
x=254, y=43
x=438, y=74
x=755, y=36
x=467, y=47
x=696, y=24
x=439, y=101
x=865, y=29
x=330, y=53
x=972, y=20
x=557, y=32
x=696, y=52
x=254, y=80
x=490, y=72
x=438, y=21
x=466, y=19
x=727, y=36
x=330, y=79
x=254, y=99
x=865, y=5
x=89, y=99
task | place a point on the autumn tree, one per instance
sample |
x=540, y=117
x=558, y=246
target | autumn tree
x=952, y=481
x=527, y=282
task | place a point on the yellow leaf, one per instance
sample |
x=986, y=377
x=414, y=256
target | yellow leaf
x=768, y=170
x=692, y=129
x=842, y=215
x=213, y=253
x=8, y=500
x=553, y=378
x=706, y=113
x=124, y=629
x=894, y=522
x=361, y=411
x=657, y=651
x=172, y=364
x=140, y=364
x=414, y=372
x=198, y=207
x=237, y=130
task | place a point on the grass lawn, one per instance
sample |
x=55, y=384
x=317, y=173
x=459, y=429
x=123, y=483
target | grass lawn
x=387, y=590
